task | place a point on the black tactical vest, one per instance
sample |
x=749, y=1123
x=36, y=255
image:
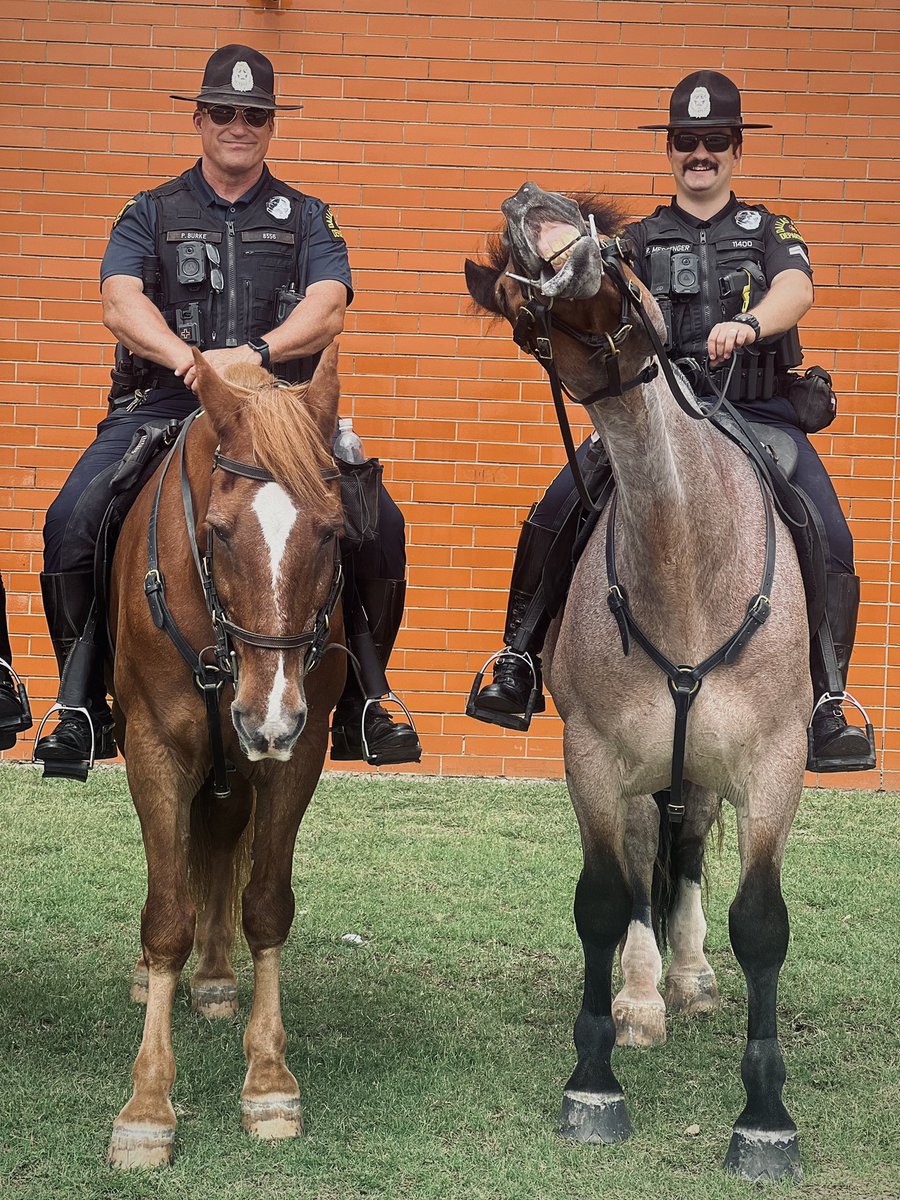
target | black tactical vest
x=219, y=286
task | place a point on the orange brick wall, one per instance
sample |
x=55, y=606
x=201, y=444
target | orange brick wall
x=420, y=117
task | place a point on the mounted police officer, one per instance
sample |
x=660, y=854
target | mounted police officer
x=732, y=281
x=228, y=259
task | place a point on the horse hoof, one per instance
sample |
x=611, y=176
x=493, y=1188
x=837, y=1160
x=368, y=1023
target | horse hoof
x=594, y=1117
x=694, y=995
x=139, y=986
x=273, y=1118
x=764, y=1154
x=134, y=1146
x=216, y=1001
x=639, y=1023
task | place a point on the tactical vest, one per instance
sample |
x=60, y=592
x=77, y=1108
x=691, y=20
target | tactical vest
x=700, y=277
x=217, y=287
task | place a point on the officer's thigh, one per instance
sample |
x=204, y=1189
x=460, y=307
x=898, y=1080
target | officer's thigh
x=548, y=509
x=814, y=480
x=385, y=556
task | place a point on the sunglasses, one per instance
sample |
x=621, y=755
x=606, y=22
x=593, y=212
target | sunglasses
x=224, y=114
x=715, y=143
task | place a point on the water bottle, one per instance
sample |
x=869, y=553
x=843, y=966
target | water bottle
x=347, y=446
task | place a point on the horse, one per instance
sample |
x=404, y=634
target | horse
x=224, y=728
x=670, y=566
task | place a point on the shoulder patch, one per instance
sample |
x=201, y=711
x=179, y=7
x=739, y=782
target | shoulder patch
x=331, y=224
x=123, y=210
x=786, y=230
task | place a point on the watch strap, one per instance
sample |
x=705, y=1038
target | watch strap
x=749, y=319
x=261, y=346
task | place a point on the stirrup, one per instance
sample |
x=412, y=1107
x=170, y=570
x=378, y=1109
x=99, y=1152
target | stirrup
x=368, y=755
x=76, y=769
x=489, y=715
x=824, y=765
x=25, y=721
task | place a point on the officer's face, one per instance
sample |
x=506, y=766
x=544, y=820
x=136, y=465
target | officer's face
x=702, y=172
x=234, y=149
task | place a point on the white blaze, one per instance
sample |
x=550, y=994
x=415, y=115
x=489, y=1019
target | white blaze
x=277, y=516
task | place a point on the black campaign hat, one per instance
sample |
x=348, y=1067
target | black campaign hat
x=238, y=75
x=705, y=100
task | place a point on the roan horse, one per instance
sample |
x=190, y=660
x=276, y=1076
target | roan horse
x=691, y=528
x=243, y=521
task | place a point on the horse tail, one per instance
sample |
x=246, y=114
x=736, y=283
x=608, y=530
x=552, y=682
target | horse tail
x=205, y=839
x=664, y=886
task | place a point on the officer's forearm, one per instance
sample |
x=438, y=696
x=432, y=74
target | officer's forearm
x=138, y=324
x=788, y=299
x=314, y=323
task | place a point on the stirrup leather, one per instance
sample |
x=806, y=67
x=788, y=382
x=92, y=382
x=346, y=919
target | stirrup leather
x=506, y=720
x=815, y=763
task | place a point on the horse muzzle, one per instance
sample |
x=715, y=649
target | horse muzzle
x=550, y=241
x=269, y=736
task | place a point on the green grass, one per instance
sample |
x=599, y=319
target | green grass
x=432, y=1059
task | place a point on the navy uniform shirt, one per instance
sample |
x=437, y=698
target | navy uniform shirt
x=133, y=235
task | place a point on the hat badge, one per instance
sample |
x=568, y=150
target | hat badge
x=242, y=77
x=699, y=104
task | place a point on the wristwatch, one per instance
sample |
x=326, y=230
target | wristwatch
x=749, y=319
x=261, y=346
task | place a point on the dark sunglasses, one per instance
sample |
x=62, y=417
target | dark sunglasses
x=715, y=143
x=224, y=114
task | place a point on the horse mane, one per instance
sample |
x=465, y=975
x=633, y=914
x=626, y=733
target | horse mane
x=609, y=219
x=286, y=438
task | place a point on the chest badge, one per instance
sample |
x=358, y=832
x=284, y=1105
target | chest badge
x=279, y=207
x=748, y=218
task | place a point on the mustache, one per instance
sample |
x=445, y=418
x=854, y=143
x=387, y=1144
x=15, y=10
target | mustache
x=700, y=162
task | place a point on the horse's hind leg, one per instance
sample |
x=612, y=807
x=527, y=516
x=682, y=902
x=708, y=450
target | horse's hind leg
x=764, y=1143
x=593, y=1101
x=218, y=826
x=690, y=981
x=638, y=1009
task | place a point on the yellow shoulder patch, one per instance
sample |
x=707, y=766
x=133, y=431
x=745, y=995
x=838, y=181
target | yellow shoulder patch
x=122, y=211
x=786, y=230
x=331, y=224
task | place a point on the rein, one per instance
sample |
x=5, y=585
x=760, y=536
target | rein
x=531, y=333
x=215, y=665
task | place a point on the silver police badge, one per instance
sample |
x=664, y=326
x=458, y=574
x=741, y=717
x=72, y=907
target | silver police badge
x=748, y=219
x=279, y=207
x=699, y=103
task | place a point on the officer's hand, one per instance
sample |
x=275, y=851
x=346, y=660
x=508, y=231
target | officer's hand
x=725, y=338
x=220, y=360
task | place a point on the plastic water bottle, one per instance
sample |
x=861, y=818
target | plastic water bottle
x=347, y=446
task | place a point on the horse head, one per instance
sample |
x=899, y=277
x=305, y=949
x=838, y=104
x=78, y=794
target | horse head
x=560, y=258
x=272, y=526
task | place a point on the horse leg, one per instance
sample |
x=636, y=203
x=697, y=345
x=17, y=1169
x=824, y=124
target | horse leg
x=218, y=826
x=764, y=1144
x=638, y=1010
x=140, y=980
x=690, y=981
x=144, y=1131
x=593, y=1107
x=270, y=1098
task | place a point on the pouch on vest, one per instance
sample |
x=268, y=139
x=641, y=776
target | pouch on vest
x=360, y=493
x=812, y=398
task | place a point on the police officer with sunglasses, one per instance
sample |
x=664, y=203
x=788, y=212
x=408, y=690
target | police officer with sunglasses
x=732, y=281
x=228, y=259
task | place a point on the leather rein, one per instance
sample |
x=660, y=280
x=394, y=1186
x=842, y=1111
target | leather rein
x=531, y=332
x=216, y=665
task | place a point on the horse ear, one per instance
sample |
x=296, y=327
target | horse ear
x=324, y=393
x=482, y=284
x=218, y=400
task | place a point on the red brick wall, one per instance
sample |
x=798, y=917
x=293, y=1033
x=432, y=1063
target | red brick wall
x=420, y=117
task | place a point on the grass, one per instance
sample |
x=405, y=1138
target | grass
x=432, y=1058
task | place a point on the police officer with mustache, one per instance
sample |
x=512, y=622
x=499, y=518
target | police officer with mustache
x=732, y=281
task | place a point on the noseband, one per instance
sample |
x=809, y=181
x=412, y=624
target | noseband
x=215, y=665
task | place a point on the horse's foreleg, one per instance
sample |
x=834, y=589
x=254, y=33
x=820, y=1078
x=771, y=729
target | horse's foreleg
x=593, y=1101
x=219, y=826
x=144, y=1131
x=638, y=1009
x=690, y=980
x=764, y=1144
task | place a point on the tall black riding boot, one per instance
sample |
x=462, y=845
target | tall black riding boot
x=85, y=729
x=835, y=745
x=15, y=713
x=362, y=728
x=517, y=688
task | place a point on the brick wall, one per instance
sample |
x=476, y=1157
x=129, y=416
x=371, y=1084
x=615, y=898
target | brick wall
x=420, y=117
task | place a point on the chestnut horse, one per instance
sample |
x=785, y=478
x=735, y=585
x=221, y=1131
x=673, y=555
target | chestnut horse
x=666, y=576
x=241, y=522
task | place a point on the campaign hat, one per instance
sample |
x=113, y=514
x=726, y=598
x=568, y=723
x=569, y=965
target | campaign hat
x=706, y=100
x=241, y=76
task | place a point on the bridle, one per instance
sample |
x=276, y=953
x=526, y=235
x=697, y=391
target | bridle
x=216, y=665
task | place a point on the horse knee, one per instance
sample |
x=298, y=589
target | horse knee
x=267, y=916
x=167, y=934
x=758, y=921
